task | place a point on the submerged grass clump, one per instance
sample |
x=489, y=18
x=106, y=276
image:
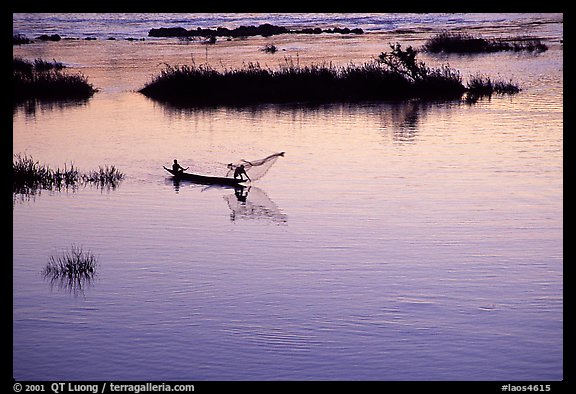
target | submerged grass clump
x=482, y=85
x=450, y=42
x=394, y=75
x=104, y=176
x=71, y=263
x=29, y=175
x=72, y=270
x=270, y=48
x=42, y=79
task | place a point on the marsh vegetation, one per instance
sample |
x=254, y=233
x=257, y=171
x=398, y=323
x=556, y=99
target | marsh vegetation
x=394, y=75
x=44, y=80
x=451, y=42
x=29, y=175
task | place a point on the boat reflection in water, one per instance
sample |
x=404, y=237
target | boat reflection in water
x=177, y=182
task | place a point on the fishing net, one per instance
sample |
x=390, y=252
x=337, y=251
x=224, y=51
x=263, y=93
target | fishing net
x=255, y=169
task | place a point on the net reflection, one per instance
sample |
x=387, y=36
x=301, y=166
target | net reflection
x=252, y=203
x=246, y=203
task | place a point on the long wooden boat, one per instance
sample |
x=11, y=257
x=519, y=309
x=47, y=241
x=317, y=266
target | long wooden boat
x=205, y=180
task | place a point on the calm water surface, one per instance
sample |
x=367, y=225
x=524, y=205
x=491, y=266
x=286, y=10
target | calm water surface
x=394, y=241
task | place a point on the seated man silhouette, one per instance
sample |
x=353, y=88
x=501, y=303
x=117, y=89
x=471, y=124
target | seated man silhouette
x=177, y=167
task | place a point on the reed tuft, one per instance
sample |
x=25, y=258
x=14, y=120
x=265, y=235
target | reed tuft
x=72, y=270
x=29, y=175
x=71, y=263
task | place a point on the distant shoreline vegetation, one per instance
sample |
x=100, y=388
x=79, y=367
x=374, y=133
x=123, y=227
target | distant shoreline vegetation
x=41, y=79
x=264, y=30
x=394, y=75
x=21, y=39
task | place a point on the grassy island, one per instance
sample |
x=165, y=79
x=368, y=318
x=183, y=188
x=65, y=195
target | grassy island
x=394, y=75
x=40, y=79
x=449, y=42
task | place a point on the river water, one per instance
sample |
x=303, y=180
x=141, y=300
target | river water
x=394, y=241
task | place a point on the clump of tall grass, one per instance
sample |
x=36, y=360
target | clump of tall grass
x=29, y=175
x=479, y=86
x=72, y=269
x=104, y=176
x=28, y=67
x=72, y=263
x=46, y=80
x=482, y=85
x=44, y=65
x=452, y=42
x=270, y=48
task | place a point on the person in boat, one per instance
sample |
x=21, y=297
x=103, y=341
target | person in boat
x=239, y=171
x=177, y=167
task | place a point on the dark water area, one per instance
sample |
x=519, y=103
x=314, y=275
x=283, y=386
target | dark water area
x=394, y=241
